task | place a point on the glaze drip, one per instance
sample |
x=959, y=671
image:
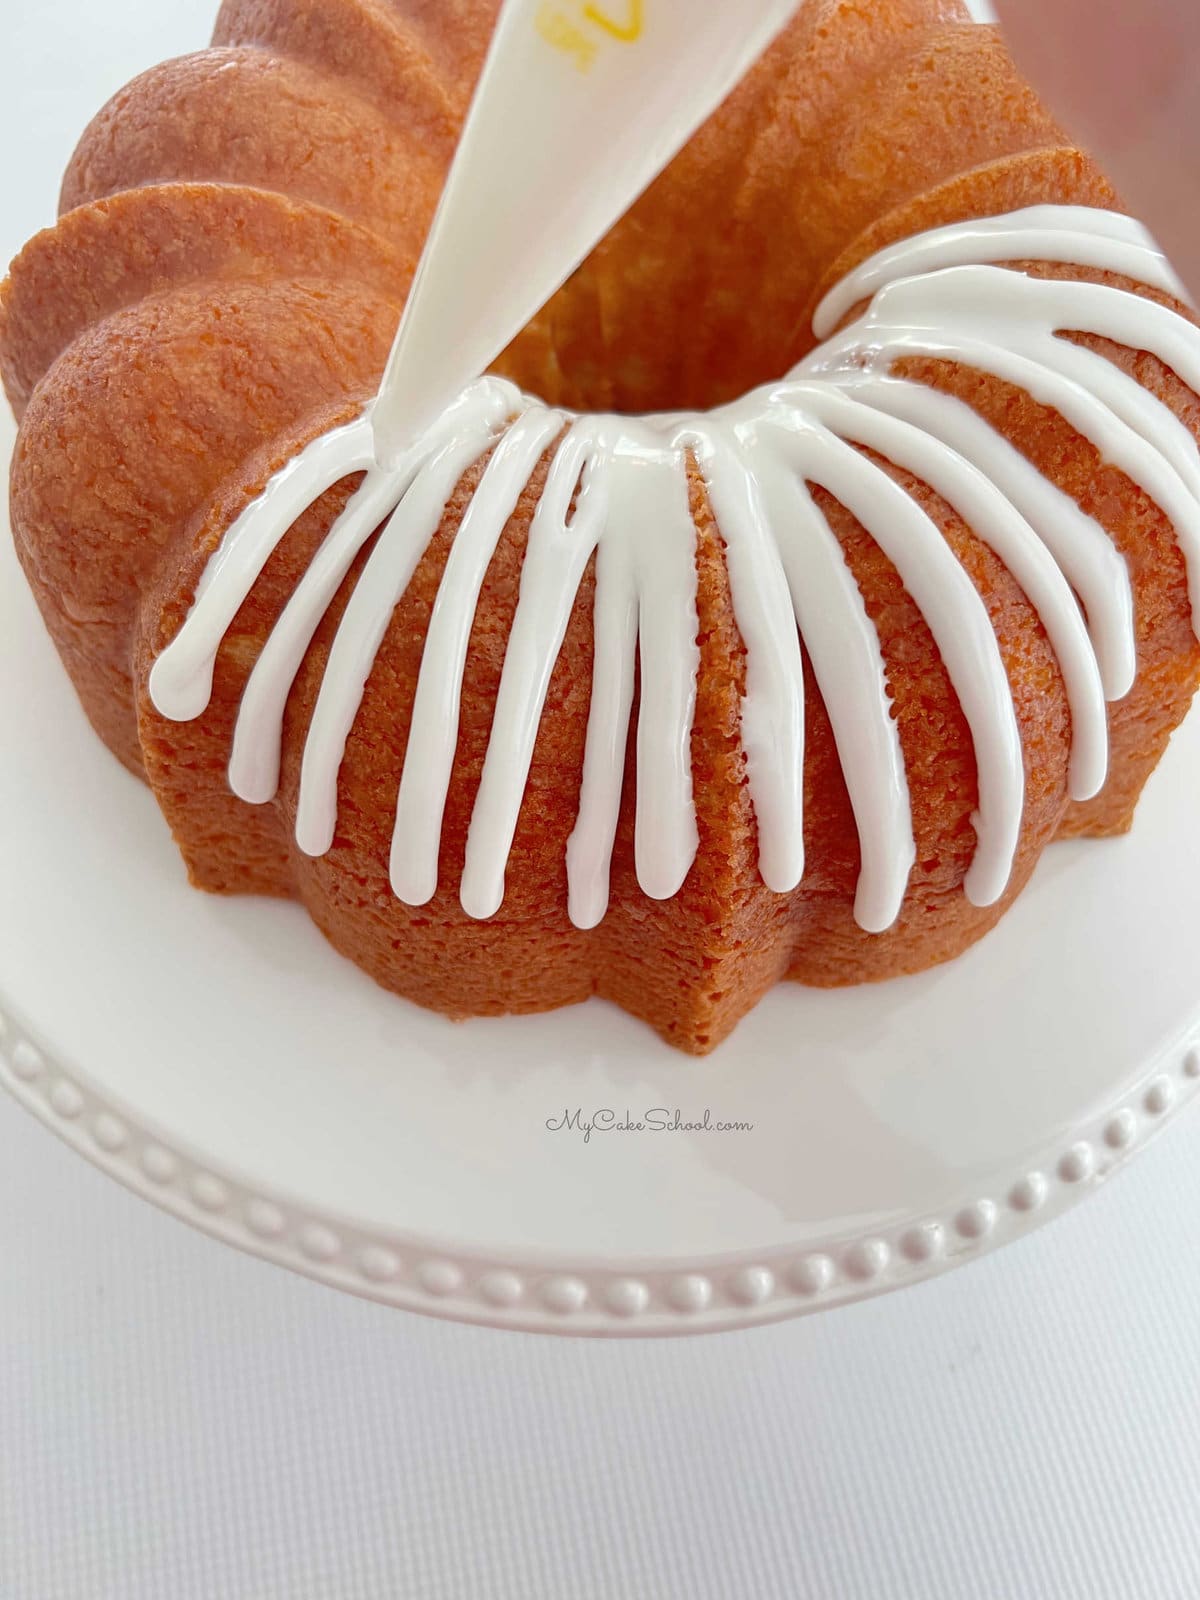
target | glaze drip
x=617, y=489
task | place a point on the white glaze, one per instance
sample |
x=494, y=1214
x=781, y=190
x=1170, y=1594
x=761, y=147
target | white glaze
x=385, y=578
x=433, y=733
x=617, y=489
x=1067, y=235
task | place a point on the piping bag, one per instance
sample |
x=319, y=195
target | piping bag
x=580, y=105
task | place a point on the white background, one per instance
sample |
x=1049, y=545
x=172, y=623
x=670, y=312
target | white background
x=181, y=1423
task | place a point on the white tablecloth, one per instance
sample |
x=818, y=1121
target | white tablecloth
x=178, y=1422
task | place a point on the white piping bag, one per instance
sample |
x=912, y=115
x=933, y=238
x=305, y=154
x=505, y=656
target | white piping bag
x=581, y=104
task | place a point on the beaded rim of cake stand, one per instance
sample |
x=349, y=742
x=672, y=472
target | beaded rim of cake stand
x=549, y=1295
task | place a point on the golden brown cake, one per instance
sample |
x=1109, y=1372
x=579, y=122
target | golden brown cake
x=238, y=232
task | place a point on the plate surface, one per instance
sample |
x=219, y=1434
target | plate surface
x=218, y=1057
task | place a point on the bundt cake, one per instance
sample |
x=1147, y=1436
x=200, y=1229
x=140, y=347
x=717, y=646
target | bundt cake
x=683, y=677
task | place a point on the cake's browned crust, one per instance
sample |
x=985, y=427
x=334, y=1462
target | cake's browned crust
x=140, y=421
x=240, y=231
x=206, y=114
x=143, y=243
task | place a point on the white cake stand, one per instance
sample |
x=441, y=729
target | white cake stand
x=219, y=1059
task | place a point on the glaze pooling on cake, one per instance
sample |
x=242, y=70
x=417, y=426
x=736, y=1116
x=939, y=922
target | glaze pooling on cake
x=617, y=488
